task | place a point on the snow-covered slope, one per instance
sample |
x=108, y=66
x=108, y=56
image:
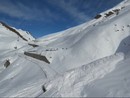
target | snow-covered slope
x=91, y=59
x=10, y=38
x=92, y=40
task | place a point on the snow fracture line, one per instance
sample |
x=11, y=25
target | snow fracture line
x=33, y=45
x=37, y=56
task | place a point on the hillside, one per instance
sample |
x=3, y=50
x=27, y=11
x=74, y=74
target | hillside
x=89, y=60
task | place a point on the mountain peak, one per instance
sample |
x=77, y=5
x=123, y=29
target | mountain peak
x=19, y=33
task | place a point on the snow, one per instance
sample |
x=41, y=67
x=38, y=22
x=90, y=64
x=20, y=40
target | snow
x=72, y=82
x=89, y=60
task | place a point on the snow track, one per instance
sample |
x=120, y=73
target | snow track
x=72, y=82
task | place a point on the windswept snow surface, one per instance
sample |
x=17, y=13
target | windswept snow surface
x=89, y=60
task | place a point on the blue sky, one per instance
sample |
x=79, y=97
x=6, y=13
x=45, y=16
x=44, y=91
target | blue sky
x=42, y=17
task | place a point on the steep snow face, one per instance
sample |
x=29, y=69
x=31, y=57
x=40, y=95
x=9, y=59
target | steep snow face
x=89, y=60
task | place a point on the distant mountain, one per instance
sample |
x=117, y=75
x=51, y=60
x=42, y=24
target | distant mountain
x=89, y=60
x=12, y=38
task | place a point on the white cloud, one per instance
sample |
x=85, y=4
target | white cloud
x=19, y=10
x=69, y=6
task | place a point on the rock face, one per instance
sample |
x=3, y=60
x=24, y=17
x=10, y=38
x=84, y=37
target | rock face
x=97, y=16
x=7, y=63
